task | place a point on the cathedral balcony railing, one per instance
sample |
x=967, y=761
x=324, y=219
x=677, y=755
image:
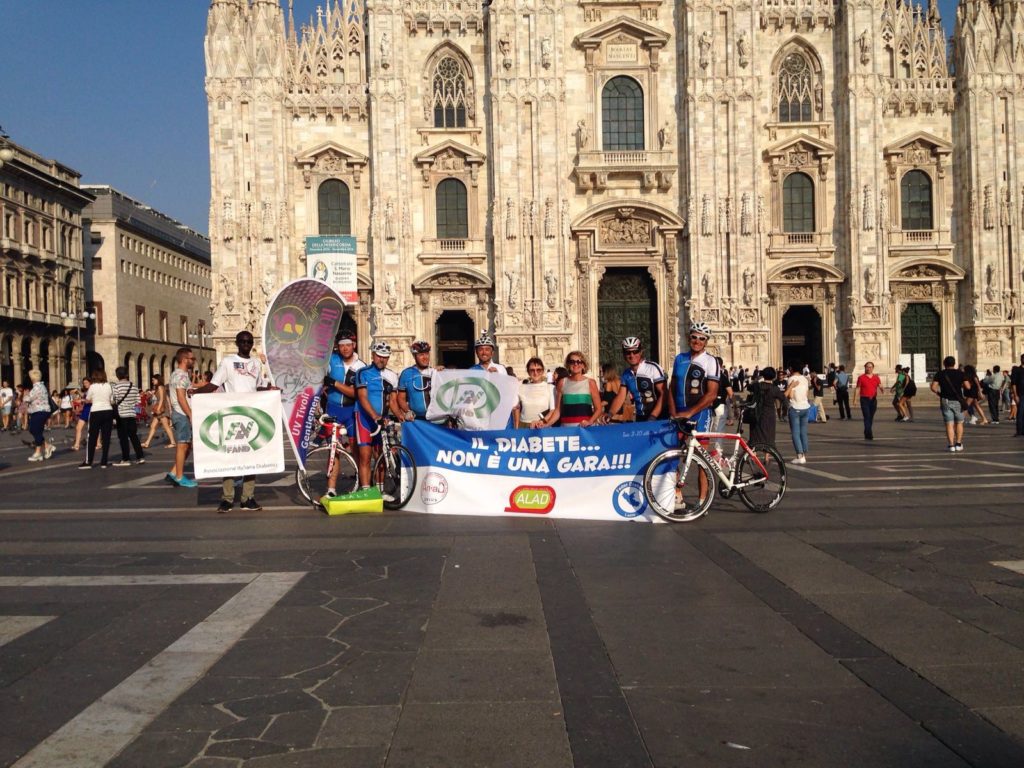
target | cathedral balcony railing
x=654, y=167
x=935, y=243
x=453, y=251
x=782, y=244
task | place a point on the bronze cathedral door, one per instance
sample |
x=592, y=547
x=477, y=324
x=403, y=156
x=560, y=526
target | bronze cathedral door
x=627, y=305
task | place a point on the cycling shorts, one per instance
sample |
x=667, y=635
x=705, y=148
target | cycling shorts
x=344, y=415
x=364, y=431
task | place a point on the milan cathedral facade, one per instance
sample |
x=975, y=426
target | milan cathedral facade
x=818, y=180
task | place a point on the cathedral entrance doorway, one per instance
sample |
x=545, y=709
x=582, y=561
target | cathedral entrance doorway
x=801, y=337
x=627, y=305
x=920, y=333
x=454, y=332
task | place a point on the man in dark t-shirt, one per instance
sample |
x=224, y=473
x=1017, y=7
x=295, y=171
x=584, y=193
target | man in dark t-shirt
x=1017, y=394
x=948, y=384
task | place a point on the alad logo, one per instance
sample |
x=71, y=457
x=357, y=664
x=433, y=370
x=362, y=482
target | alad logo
x=474, y=394
x=237, y=429
x=535, y=499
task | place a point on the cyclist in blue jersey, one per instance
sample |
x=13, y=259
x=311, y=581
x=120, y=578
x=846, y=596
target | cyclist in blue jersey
x=695, y=380
x=340, y=382
x=643, y=381
x=375, y=385
x=414, y=384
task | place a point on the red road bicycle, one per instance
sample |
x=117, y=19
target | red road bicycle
x=312, y=480
x=680, y=483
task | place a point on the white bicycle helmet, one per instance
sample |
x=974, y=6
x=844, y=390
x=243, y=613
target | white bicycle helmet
x=631, y=343
x=485, y=340
x=700, y=327
x=381, y=348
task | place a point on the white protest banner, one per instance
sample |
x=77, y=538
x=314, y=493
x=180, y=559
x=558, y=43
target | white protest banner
x=332, y=259
x=479, y=399
x=584, y=474
x=237, y=433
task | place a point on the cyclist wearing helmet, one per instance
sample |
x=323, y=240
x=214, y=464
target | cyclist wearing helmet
x=643, y=381
x=484, y=348
x=340, y=382
x=414, y=384
x=374, y=387
x=695, y=380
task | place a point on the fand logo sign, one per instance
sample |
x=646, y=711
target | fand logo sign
x=237, y=429
x=533, y=499
x=476, y=395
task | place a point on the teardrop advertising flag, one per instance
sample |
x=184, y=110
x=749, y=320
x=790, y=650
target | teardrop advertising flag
x=298, y=338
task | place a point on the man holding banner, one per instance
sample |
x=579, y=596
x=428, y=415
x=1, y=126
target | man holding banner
x=238, y=373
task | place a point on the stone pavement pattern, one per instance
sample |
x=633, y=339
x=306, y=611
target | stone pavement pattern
x=877, y=619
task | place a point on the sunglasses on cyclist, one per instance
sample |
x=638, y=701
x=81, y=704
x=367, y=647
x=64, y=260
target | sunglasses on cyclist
x=630, y=352
x=696, y=337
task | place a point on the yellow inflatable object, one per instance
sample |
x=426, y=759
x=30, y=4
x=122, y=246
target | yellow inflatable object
x=366, y=501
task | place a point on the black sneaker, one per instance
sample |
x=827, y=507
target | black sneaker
x=250, y=505
x=224, y=506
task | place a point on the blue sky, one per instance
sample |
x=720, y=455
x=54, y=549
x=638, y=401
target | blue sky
x=114, y=89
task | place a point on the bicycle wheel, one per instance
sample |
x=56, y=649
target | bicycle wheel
x=674, y=491
x=312, y=480
x=763, y=496
x=395, y=475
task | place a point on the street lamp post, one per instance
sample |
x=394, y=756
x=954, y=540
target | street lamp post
x=6, y=153
x=77, y=318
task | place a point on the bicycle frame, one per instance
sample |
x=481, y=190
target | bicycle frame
x=694, y=445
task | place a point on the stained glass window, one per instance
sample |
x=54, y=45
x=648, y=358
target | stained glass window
x=795, y=90
x=449, y=94
x=622, y=115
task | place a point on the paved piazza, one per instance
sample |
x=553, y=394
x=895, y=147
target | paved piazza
x=877, y=619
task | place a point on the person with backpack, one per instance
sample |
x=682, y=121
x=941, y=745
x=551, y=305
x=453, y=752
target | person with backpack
x=897, y=393
x=909, y=392
x=760, y=408
x=948, y=384
x=842, y=390
x=817, y=390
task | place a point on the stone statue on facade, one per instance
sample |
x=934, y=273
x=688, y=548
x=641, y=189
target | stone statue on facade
x=229, y=293
x=868, y=215
x=385, y=50
x=391, y=290
x=987, y=213
x=704, y=44
x=551, y=286
x=666, y=136
x=748, y=286
x=745, y=214
x=990, y=282
x=505, y=48
x=743, y=49
x=514, y=284
x=549, y=218
x=389, y=219
x=582, y=135
x=854, y=305
x=864, y=45
x=707, y=284
x=510, y=219
x=870, y=284
x=546, y=52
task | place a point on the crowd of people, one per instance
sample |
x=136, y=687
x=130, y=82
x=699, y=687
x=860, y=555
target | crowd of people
x=361, y=395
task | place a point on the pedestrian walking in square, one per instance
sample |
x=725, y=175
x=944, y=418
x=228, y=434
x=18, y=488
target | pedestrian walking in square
x=1017, y=395
x=842, y=386
x=868, y=384
x=101, y=419
x=948, y=384
x=994, y=385
x=126, y=403
x=180, y=385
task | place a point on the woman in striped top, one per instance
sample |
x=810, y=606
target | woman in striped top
x=577, y=396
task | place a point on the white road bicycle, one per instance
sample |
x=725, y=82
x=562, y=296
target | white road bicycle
x=680, y=483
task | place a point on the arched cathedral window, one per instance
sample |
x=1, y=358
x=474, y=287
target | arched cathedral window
x=622, y=115
x=452, y=210
x=798, y=203
x=334, y=207
x=916, y=200
x=795, y=104
x=449, y=88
